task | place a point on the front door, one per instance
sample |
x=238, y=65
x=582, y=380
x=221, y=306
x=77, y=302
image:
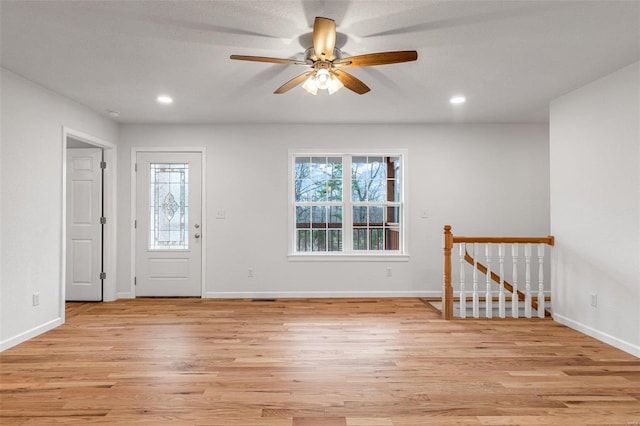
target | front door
x=84, y=227
x=168, y=224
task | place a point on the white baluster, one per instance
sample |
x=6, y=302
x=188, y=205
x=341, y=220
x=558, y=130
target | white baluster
x=475, y=298
x=489, y=299
x=540, y=281
x=501, y=298
x=527, y=281
x=514, y=295
x=463, y=294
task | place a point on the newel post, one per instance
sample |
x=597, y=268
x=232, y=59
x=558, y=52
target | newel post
x=447, y=290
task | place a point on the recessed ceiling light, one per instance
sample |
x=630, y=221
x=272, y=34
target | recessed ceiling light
x=112, y=113
x=164, y=99
x=458, y=100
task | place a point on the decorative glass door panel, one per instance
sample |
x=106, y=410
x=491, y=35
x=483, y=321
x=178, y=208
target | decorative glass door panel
x=168, y=206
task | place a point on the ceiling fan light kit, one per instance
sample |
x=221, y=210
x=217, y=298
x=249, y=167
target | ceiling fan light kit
x=324, y=80
x=326, y=63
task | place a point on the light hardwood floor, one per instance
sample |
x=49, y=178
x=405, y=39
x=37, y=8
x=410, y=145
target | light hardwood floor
x=312, y=362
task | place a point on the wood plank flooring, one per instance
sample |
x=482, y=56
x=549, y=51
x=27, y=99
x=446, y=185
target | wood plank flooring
x=318, y=362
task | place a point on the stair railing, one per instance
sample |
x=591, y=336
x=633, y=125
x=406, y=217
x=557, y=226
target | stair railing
x=517, y=295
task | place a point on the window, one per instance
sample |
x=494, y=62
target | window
x=347, y=203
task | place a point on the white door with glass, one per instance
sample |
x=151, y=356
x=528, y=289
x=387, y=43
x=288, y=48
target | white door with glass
x=168, y=224
x=83, y=279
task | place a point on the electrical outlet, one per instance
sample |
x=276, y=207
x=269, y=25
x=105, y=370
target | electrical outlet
x=250, y=273
x=220, y=214
x=36, y=299
x=594, y=300
x=389, y=271
x=424, y=213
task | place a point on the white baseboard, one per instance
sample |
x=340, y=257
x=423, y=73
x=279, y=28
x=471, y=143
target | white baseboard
x=29, y=334
x=597, y=334
x=124, y=295
x=316, y=294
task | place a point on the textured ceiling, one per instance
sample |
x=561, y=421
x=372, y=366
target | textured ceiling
x=510, y=58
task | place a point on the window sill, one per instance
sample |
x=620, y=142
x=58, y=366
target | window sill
x=300, y=257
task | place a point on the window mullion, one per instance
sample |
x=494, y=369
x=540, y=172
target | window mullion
x=347, y=210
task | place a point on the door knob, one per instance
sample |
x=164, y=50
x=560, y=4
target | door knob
x=197, y=236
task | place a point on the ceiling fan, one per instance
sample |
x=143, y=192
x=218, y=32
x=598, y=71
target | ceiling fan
x=327, y=65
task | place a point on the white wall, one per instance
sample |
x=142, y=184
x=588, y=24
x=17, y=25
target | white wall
x=481, y=179
x=595, y=208
x=31, y=209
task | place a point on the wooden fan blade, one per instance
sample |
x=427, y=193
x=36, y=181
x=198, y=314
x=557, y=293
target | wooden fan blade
x=324, y=38
x=382, y=58
x=293, y=82
x=351, y=83
x=266, y=59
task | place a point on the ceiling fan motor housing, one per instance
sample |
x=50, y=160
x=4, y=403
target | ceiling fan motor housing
x=310, y=57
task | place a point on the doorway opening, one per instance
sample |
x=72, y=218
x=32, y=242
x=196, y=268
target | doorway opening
x=89, y=219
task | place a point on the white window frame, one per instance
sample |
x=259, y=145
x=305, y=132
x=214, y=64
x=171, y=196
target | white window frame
x=348, y=254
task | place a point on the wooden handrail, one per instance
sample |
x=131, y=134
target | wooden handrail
x=450, y=240
x=507, y=240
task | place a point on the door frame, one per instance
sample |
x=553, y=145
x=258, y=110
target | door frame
x=109, y=198
x=203, y=192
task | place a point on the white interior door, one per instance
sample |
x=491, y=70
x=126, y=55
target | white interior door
x=84, y=230
x=168, y=231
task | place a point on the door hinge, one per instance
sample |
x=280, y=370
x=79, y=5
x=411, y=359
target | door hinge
x=135, y=280
x=103, y=220
x=103, y=164
x=135, y=167
x=103, y=275
x=135, y=223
